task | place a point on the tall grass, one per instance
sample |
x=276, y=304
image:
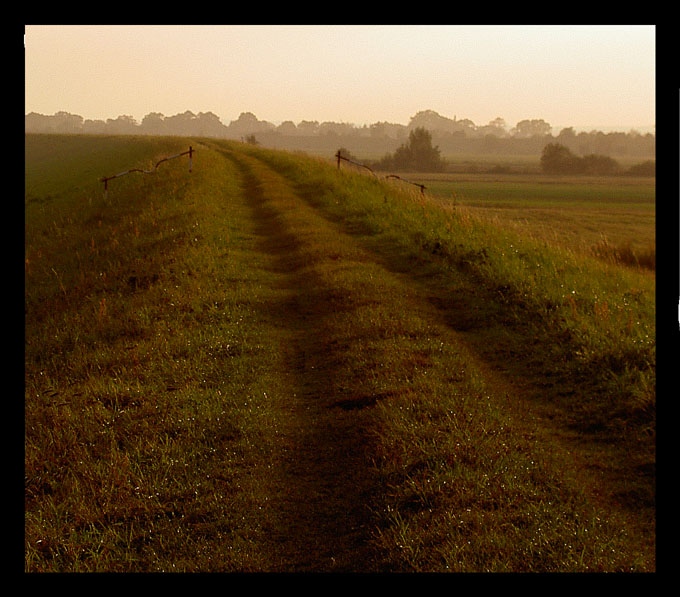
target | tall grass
x=625, y=254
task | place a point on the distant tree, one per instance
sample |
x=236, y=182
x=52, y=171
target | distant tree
x=498, y=123
x=430, y=120
x=425, y=157
x=251, y=140
x=387, y=129
x=208, y=124
x=558, y=159
x=336, y=128
x=308, y=127
x=246, y=118
x=496, y=128
x=417, y=154
x=378, y=129
x=647, y=168
x=287, y=128
x=248, y=124
x=180, y=124
x=123, y=125
x=567, y=133
x=94, y=127
x=531, y=128
x=64, y=122
x=599, y=164
x=153, y=124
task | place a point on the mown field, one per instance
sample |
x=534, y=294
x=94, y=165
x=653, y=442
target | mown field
x=270, y=365
x=612, y=218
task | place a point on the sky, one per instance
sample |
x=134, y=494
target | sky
x=586, y=76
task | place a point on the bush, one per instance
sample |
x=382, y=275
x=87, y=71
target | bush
x=558, y=159
x=647, y=168
x=599, y=164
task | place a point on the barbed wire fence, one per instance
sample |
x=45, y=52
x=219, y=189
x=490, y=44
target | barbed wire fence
x=190, y=152
x=106, y=179
x=340, y=157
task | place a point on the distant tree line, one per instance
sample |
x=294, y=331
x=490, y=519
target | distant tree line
x=527, y=137
x=559, y=159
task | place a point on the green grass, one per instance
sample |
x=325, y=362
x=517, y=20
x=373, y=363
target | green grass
x=572, y=335
x=270, y=365
x=612, y=218
x=141, y=369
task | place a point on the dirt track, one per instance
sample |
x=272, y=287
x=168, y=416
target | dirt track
x=323, y=487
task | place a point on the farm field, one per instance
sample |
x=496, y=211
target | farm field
x=270, y=365
x=610, y=217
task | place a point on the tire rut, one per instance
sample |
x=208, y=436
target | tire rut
x=320, y=481
x=601, y=469
x=326, y=521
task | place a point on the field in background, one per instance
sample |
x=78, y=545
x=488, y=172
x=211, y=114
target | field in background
x=610, y=217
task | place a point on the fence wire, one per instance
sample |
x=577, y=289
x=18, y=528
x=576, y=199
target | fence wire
x=106, y=179
x=340, y=157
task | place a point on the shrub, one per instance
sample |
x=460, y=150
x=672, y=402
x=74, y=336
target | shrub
x=647, y=168
x=599, y=164
x=558, y=159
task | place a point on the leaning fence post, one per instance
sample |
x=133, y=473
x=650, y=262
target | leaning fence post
x=337, y=155
x=191, y=151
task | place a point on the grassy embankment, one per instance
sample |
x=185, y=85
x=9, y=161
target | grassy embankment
x=268, y=365
x=567, y=332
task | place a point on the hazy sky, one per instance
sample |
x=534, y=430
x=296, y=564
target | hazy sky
x=580, y=76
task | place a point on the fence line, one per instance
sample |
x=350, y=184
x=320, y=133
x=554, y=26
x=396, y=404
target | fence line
x=106, y=179
x=417, y=184
x=339, y=156
x=342, y=157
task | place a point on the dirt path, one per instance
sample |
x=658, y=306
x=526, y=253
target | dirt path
x=323, y=489
x=320, y=483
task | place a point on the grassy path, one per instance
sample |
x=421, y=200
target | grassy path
x=242, y=371
x=340, y=278
x=318, y=484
